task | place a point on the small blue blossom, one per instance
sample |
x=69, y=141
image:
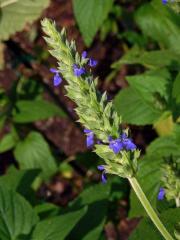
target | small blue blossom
x=161, y=194
x=89, y=138
x=100, y=168
x=116, y=145
x=78, y=71
x=127, y=142
x=84, y=54
x=57, y=79
x=103, y=176
x=164, y=1
x=121, y=143
x=92, y=62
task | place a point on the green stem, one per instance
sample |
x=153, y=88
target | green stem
x=150, y=211
x=177, y=200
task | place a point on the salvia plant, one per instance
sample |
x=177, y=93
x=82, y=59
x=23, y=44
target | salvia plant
x=102, y=125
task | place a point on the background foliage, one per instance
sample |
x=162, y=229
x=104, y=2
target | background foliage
x=49, y=185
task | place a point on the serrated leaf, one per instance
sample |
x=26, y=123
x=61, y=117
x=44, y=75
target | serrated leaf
x=161, y=24
x=57, y=228
x=146, y=229
x=30, y=111
x=134, y=109
x=21, y=11
x=34, y=152
x=17, y=216
x=90, y=16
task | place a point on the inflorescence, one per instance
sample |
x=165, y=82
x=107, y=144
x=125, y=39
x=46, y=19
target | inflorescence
x=103, y=127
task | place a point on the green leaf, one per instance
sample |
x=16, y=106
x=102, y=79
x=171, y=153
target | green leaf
x=133, y=109
x=46, y=210
x=149, y=59
x=30, y=111
x=165, y=146
x=149, y=175
x=150, y=83
x=57, y=228
x=17, y=216
x=19, y=180
x=8, y=141
x=34, y=152
x=146, y=229
x=90, y=16
x=91, y=225
x=176, y=89
x=21, y=11
x=160, y=23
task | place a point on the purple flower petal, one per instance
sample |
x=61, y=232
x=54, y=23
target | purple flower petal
x=161, y=194
x=164, y=1
x=92, y=62
x=84, y=54
x=57, y=80
x=90, y=140
x=110, y=138
x=124, y=136
x=100, y=167
x=87, y=130
x=127, y=142
x=53, y=70
x=104, y=178
x=78, y=71
x=116, y=145
x=129, y=145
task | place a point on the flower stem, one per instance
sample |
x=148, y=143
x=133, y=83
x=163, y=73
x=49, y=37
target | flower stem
x=177, y=200
x=150, y=211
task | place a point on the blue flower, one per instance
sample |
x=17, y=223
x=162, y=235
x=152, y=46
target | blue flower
x=57, y=79
x=164, y=1
x=90, y=138
x=116, y=145
x=127, y=142
x=103, y=176
x=123, y=142
x=161, y=194
x=84, y=54
x=92, y=62
x=78, y=71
